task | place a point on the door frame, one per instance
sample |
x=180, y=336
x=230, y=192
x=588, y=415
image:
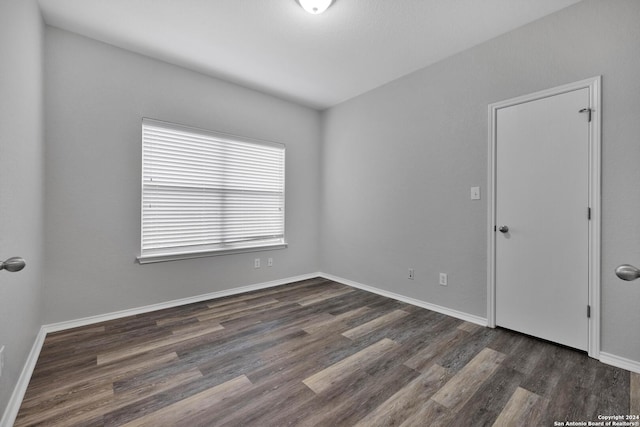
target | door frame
x=594, y=85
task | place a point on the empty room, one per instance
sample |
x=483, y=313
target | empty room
x=319, y=213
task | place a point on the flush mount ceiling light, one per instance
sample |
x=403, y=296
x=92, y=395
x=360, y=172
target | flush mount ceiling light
x=315, y=7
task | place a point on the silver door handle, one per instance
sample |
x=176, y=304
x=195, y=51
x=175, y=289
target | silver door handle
x=12, y=264
x=503, y=229
x=627, y=272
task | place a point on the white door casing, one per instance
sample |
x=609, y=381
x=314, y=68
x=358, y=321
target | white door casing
x=544, y=173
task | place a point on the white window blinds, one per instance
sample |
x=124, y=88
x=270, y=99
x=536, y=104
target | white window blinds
x=206, y=192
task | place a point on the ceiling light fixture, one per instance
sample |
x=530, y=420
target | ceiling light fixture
x=315, y=7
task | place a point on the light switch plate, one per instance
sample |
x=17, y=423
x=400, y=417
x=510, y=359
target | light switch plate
x=475, y=193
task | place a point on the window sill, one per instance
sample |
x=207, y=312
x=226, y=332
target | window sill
x=149, y=259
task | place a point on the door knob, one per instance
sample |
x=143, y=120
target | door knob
x=503, y=229
x=627, y=272
x=12, y=264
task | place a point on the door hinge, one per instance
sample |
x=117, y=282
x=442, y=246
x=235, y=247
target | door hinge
x=588, y=111
x=588, y=311
x=589, y=214
x=495, y=228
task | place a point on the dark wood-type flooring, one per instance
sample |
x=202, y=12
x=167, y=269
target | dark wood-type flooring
x=314, y=353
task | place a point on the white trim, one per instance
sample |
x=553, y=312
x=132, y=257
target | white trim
x=594, y=86
x=620, y=362
x=595, y=185
x=11, y=411
x=150, y=259
x=418, y=303
x=69, y=324
x=491, y=222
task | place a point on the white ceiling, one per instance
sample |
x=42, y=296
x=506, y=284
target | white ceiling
x=276, y=47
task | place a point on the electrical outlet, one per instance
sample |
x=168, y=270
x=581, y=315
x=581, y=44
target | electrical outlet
x=411, y=274
x=270, y=262
x=256, y=263
x=443, y=279
x=1, y=359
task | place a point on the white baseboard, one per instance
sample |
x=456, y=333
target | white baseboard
x=11, y=411
x=620, y=362
x=433, y=307
x=69, y=324
x=607, y=358
x=23, y=381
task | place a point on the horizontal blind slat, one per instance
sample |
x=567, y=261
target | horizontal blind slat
x=201, y=190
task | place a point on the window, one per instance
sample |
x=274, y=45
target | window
x=206, y=193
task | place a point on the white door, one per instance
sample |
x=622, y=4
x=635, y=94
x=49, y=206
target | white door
x=542, y=196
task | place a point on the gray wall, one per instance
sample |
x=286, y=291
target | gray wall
x=21, y=183
x=384, y=177
x=95, y=98
x=398, y=163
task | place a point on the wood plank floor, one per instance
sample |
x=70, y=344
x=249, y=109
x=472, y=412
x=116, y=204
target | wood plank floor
x=314, y=353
